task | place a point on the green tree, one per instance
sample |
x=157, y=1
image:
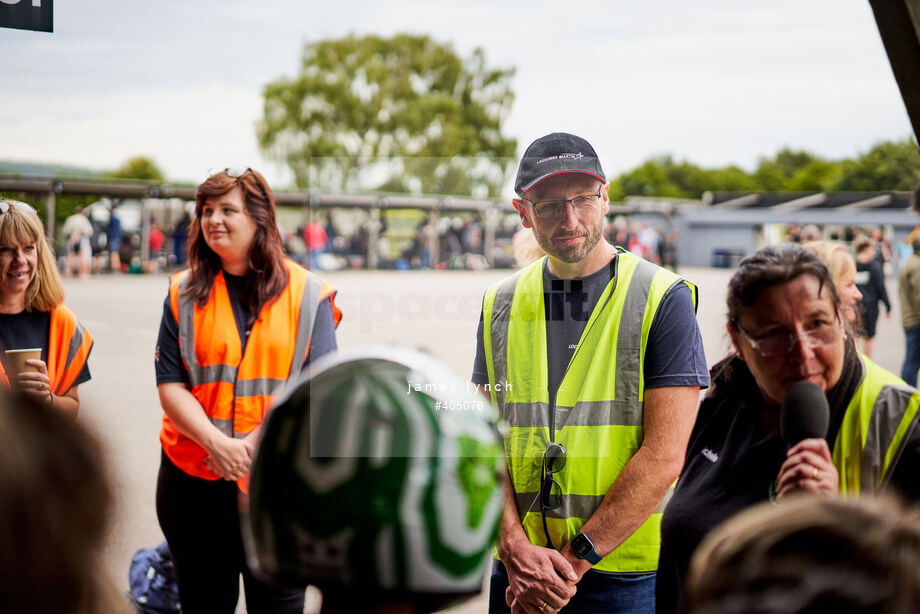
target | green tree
x=658, y=176
x=730, y=179
x=138, y=167
x=890, y=165
x=665, y=177
x=405, y=112
x=774, y=174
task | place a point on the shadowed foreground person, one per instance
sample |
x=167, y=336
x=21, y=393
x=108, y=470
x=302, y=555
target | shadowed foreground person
x=810, y=556
x=386, y=501
x=55, y=499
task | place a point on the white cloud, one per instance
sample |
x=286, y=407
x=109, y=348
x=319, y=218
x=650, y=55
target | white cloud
x=713, y=81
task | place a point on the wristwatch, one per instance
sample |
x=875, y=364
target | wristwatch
x=584, y=549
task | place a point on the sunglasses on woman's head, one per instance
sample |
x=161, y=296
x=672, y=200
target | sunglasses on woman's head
x=234, y=172
x=6, y=205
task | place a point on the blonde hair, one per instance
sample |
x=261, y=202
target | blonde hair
x=18, y=228
x=810, y=554
x=835, y=256
x=526, y=248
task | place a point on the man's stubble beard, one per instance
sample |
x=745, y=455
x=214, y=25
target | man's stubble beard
x=573, y=253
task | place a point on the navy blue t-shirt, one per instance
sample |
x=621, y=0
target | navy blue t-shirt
x=30, y=329
x=169, y=365
x=674, y=354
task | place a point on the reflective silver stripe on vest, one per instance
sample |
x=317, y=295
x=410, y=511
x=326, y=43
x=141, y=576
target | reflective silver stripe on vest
x=572, y=506
x=309, y=305
x=196, y=375
x=75, y=342
x=601, y=413
x=629, y=337
x=498, y=326
x=257, y=387
x=585, y=413
x=883, y=425
x=665, y=501
x=225, y=427
x=525, y=414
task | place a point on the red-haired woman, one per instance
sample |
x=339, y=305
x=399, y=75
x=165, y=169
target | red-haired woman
x=242, y=320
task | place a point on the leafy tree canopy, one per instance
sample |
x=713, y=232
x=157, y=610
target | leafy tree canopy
x=138, y=167
x=890, y=165
x=405, y=113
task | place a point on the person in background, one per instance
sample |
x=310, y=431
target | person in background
x=785, y=325
x=114, y=241
x=810, y=555
x=870, y=279
x=78, y=230
x=836, y=257
x=909, y=293
x=882, y=248
x=33, y=314
x=240, y=321
x=180, y=238
x=155, y=243
x=669, y=251
x=810, y=232
x=314, y=237
x=55, y=512
x=904, y=249
x=526, y=249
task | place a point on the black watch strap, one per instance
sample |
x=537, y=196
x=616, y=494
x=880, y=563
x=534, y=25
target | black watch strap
x=584, y=549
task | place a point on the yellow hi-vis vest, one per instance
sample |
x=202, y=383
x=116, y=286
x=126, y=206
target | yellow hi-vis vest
x=599, y=404
x=877, y=424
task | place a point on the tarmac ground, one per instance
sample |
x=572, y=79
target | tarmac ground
x=437, y=311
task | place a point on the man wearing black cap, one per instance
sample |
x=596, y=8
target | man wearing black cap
x=595, y=360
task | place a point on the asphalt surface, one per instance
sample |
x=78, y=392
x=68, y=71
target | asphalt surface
x=436, y=311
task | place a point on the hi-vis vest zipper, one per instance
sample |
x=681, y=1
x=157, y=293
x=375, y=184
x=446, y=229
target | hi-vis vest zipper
x=599, y=405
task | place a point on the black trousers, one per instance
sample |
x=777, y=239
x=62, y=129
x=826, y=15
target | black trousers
x=202, y=527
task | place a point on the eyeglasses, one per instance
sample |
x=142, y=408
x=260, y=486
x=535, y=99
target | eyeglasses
x=555, y=208
x=781, y=343
x=553, y=462
x=6, y=204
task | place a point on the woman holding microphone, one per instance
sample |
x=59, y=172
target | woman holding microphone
x=786, y=324
x=33, y=316
x=241, y=321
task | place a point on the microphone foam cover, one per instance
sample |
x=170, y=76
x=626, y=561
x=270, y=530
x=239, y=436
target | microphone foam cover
x=804, y=414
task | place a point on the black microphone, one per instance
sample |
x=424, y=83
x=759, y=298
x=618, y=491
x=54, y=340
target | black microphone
x=804, y=414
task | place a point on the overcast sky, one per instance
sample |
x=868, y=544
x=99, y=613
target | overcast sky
x=716, y=82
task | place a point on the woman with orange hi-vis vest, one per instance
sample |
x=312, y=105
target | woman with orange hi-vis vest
x=33, y=315
x=238, y=324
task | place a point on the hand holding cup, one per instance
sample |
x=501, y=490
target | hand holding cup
x=29, y=373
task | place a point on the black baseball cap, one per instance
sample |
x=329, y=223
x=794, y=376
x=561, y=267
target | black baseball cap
x=553, y=154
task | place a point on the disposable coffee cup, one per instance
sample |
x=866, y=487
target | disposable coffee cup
x=16, y=360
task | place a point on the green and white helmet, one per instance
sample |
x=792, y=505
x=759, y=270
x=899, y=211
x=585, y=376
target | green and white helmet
x=382, y=471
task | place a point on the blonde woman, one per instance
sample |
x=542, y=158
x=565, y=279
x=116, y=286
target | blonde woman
x=33, y=315
x=839, y=262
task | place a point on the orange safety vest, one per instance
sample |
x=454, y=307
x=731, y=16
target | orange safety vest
x=236, y=389
x=69, y=345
